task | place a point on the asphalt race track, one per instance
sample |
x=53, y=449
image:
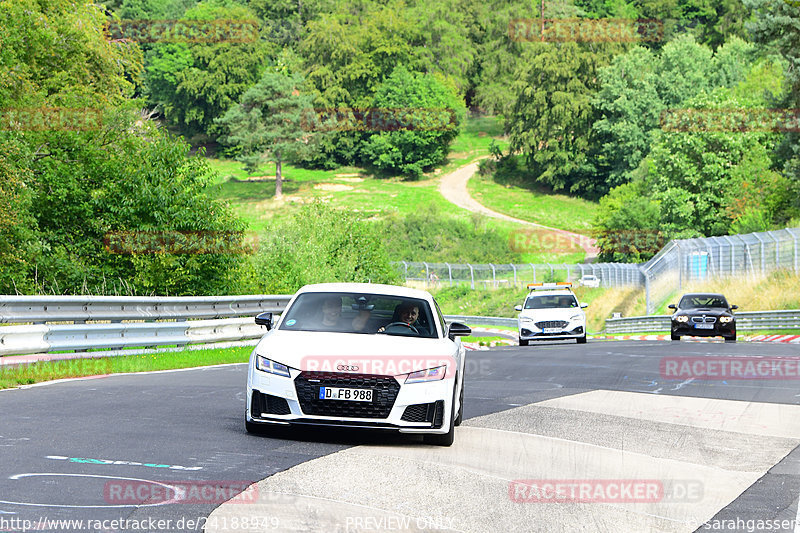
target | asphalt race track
x=163, y=451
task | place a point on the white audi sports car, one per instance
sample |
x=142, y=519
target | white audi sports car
x=359, y=355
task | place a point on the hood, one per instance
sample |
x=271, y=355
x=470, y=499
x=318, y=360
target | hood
x=708, y=311
x=371, y=353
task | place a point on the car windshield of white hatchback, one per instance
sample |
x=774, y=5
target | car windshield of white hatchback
x=360, y=313
x=702, y=301
x=561, y=301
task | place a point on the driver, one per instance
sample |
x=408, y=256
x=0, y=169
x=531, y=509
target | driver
x=407, y=313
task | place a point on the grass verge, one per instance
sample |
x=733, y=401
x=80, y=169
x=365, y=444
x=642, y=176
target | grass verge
x=27, y=374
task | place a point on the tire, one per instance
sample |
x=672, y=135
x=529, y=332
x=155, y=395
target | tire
x=732, y=338
x=674, y=337
x=448, y=438
x=581, y=340
x=523, y=343
x=460, y=416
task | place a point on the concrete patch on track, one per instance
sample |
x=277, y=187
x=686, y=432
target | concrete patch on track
x=590, y=437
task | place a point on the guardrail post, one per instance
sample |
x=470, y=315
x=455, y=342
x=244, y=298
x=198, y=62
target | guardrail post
x=427, y=274
x=449, y=273
x=567, y=272
x=494, y=278
x=405, y=271
x=471, y=277
x=551, y=270
x=515, y=274
x=795, y=252
x=534, y=271
x=761, y=241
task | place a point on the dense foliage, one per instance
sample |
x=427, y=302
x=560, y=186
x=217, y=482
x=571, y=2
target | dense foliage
x=584, y=117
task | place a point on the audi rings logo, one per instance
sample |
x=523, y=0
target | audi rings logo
x=347, y=368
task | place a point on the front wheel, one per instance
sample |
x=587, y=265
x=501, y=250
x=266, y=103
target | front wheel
x=523, y=342
x=674, y=337
x=732, y=338
x=582, y=340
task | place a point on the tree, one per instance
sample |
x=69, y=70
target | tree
x=695, y=174
x=630, y=107
x=551, y=121
x=627, y=224
x=428, y=116
x=775, y=23
x=270, y=123
x=194, y=83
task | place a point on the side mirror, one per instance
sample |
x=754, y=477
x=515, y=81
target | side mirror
x=264, y=319
x=457, y=329
x=584, y=305
x=672, y=306
x=517, y=308
x=734, y=307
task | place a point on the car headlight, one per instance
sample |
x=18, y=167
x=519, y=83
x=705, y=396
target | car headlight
x=681, y=318
x=725, y=319
x=526, y=320
x=575, y=317
x=431, y=374
x=271, y=367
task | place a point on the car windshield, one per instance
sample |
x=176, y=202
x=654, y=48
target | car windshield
x=360, y=313
x=702, y=300
x=558, y=301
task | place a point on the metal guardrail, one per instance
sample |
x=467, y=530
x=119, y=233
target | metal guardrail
x=745, y=321
x=182, y=329
x=42, y=309
x=482, y=320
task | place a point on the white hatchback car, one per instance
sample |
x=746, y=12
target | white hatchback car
x=359, y=355
x=551, y=312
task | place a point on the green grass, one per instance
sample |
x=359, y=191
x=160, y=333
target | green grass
x=528, y=203
x=356, y=190
x=49, y=370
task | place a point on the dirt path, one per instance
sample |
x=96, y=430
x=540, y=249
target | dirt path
x=454, y=188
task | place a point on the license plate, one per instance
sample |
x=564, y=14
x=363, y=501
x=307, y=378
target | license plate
x=704, y=326
x=551, y=330
x=351, y=395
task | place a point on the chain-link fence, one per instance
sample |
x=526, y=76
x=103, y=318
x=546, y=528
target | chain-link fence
x=679, y=262
x=478, y=276
x=742, y=256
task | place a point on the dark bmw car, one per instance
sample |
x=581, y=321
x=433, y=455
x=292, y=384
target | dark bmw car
x=703, y=315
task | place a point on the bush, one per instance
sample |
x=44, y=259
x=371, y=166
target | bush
x=320, y=244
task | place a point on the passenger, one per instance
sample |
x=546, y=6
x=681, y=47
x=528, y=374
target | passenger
x=332, y=316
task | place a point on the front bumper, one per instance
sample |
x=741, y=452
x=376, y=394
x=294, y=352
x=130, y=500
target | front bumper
x=530, y=333
x=407, y=408
x=719, y=330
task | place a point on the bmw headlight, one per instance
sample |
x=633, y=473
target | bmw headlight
x=681, y=318
x=725, y=319
x=271, y=367
x=431, y=374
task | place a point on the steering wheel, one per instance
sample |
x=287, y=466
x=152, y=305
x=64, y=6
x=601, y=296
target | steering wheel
x=409, y=326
